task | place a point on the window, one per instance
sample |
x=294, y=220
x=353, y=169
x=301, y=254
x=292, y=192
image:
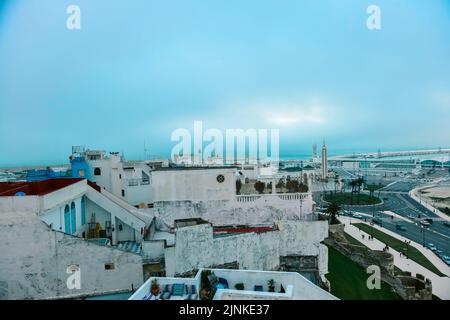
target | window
x=67, y=219
x=109, y=266
x=220, y=178
x=120, y=176
x=123, y=193
x=97, y=172
x=145, y=178
x=83, y=211
x=73, y=218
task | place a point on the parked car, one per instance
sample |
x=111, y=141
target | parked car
x=357, y=215
x=400, y=227
x=431, y=246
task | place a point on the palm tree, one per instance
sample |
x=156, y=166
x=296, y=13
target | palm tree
x=359, y=183
x=333, y=210
x=336, y=181
x=353, y=186
x=371, y=188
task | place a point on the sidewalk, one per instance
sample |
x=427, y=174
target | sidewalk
x=441, y=285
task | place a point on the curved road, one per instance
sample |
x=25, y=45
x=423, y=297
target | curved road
x=402, y=204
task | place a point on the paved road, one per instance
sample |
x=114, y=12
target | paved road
x=402, y=204
x=405, y=206
x=403, y=185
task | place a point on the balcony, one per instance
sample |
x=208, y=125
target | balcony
x=229, y=284
x=272, y=196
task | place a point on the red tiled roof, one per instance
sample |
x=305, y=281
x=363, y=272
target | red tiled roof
x=244, y=229
x=35, y=188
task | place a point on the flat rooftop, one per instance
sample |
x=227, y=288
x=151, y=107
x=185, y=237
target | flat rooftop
x=180, y=168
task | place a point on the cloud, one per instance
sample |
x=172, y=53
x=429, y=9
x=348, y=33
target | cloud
x=287, y=118
x=311, y=113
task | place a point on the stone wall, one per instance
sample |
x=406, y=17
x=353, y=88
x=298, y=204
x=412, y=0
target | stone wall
x=34, y=261
x=264, y=209
x=406, y=286
x=196, y=247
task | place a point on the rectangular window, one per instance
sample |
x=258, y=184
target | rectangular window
x=109, y=266
x=123, y=193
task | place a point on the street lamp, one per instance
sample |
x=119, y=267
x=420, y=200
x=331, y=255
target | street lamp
x=423, y=235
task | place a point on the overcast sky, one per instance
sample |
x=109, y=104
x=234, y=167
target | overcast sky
x=137, y=70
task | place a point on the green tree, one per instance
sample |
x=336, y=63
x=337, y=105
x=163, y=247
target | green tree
x=353, y=186
x=336, y=182
x=292, y=186
x=371, y=188
x=359, y=183
x=280, y=185
x=259, y=186
x=333, y=210
x=238, y=186
x=303, y=187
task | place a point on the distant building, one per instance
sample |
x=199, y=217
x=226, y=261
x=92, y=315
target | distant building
x=47, y=173
x=324, y=161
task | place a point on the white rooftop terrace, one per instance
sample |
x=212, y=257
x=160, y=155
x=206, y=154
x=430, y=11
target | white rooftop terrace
x=296, y=287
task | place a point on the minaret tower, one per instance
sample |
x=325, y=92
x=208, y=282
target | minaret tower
x=324, y=161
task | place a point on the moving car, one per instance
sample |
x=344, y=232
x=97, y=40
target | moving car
x=425, y=223
x=348, y=213
x=431, y=246
x=377, y=220
x=429, y=220
x=446, y=223
x=400, y=227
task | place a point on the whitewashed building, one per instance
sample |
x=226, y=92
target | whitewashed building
x=48, y=227
x=128, y=180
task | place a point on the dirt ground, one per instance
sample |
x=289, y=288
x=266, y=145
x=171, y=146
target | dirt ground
x=439, y=196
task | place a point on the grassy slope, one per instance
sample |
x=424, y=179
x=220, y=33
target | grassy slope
x=353, y=241
x=346, y=199
x=348, y=280
x=399, y=245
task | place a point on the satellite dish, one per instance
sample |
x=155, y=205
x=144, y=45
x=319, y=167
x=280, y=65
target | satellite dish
x=20, y=194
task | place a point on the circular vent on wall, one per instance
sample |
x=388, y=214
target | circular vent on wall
x=220, y=178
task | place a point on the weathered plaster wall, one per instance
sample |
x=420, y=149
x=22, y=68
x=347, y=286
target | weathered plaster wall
x=259, y=251
x=195, y=184
x=153, y=250
x=265, y=210
x=34, y=260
